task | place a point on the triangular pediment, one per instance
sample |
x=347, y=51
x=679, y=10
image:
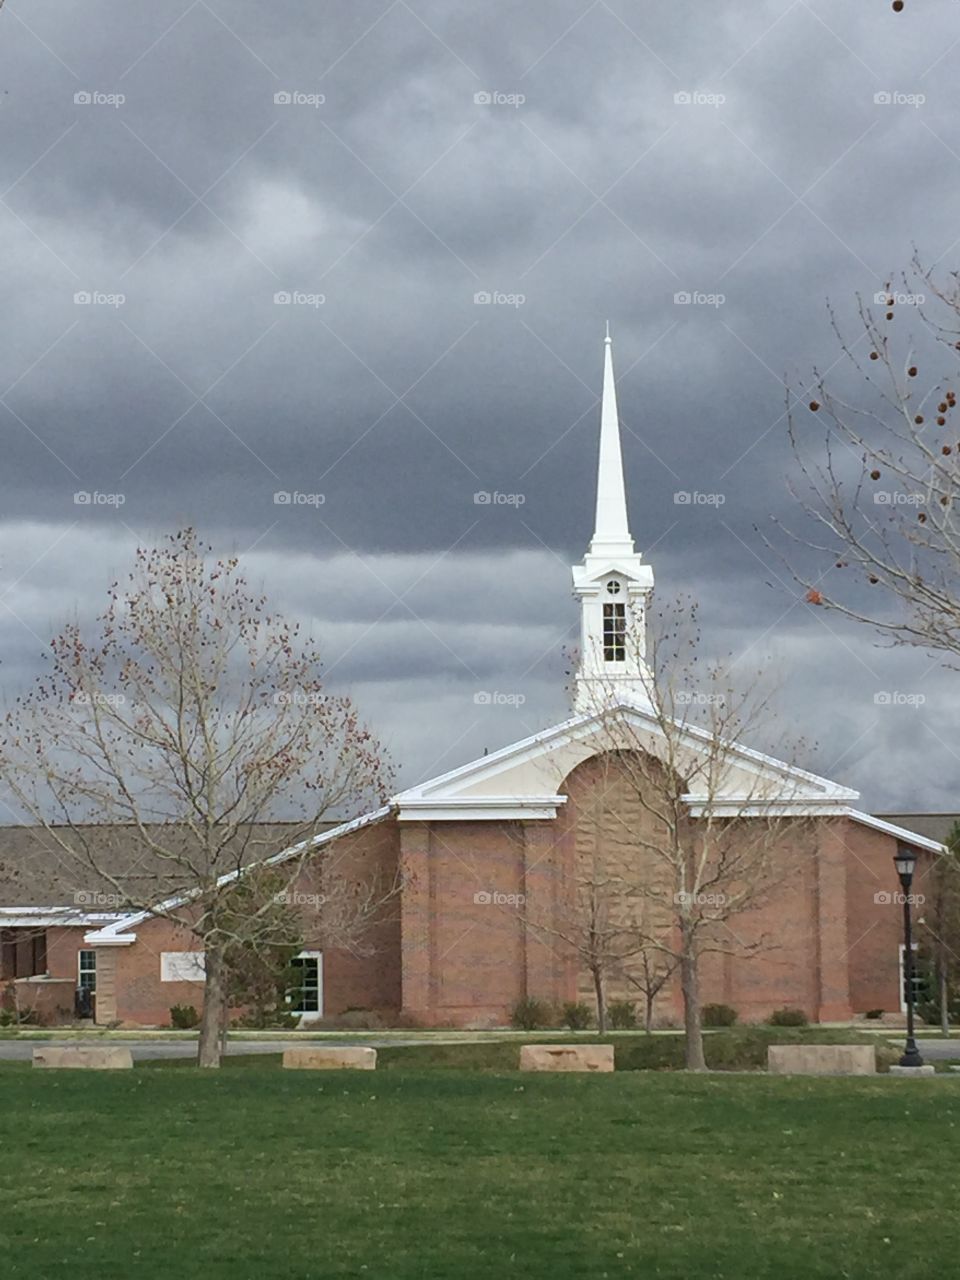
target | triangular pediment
x=525, y=779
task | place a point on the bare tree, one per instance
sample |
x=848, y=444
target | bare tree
x=709, y=819
x=881, y=479
x=650, y=973
x=187, y=718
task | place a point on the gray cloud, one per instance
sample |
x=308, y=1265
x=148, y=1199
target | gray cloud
x=399, y=199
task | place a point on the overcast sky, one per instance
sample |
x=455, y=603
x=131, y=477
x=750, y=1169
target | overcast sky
x=381, y=165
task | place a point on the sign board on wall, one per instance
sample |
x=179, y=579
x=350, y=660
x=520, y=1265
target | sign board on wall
x=181, y=966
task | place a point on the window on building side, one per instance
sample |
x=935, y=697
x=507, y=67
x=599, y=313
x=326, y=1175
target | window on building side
x=87, y=970
x=305, y=996
x=614, y=632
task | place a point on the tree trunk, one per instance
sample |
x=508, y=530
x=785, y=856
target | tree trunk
x=601, y=1003
x=690, y=986
x=648, y=1013
x=208, y=1049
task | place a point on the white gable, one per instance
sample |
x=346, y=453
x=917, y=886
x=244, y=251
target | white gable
x=524, y=780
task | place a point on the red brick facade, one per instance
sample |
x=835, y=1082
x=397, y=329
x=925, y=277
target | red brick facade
x=452, y=949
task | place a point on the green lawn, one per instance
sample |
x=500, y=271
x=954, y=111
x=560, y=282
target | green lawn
x=262, y=1174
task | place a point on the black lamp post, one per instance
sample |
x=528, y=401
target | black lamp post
x=905, y=860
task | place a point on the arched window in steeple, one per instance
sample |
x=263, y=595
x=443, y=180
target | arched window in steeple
x=614, y=625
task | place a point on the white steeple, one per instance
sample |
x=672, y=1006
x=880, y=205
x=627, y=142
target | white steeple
x=612, y=583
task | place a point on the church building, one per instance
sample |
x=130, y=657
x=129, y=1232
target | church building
x=491, y=858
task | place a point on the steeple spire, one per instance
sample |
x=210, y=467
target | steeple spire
x=612, y=584
x=612, y=529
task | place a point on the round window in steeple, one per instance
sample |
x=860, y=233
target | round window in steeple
x=613, y=587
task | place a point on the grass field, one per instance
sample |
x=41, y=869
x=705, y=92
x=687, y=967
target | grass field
x=253, y=1172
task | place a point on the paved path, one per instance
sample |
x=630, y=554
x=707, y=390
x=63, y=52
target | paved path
x=22, y=1050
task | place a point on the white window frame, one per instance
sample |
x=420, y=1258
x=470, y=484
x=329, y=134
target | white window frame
x=313, y=1015
x=86, y=951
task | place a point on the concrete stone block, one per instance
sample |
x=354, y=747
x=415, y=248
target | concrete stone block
x=566, y=1057
x=822, y=1059
x=327, y=1058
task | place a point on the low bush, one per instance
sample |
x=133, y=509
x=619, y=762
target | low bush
x=788, y=1018
x=576, y=1016
x=718, y=1015
x=874, y=1014
x=530, y=1014
x=622, y=1015
x=184, y=1017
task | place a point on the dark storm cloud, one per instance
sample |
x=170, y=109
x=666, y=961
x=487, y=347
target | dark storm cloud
x=198, y=398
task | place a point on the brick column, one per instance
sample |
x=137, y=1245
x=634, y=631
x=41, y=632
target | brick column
x=417, y=941
x=550, y=972
x=833, y=963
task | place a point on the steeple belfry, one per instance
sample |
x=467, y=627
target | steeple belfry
x=612, y=583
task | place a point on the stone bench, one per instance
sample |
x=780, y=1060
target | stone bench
x=84, y=1057
x=822, y=1059
x=566, y=1057
x=322, y=1058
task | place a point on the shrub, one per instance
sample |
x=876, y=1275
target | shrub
x=530, y=1014
x=788, y=1018
x=184, y=1017
x=576, y=1016
x=874, y=1014
x=718, y=1015
x=622, y=1015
